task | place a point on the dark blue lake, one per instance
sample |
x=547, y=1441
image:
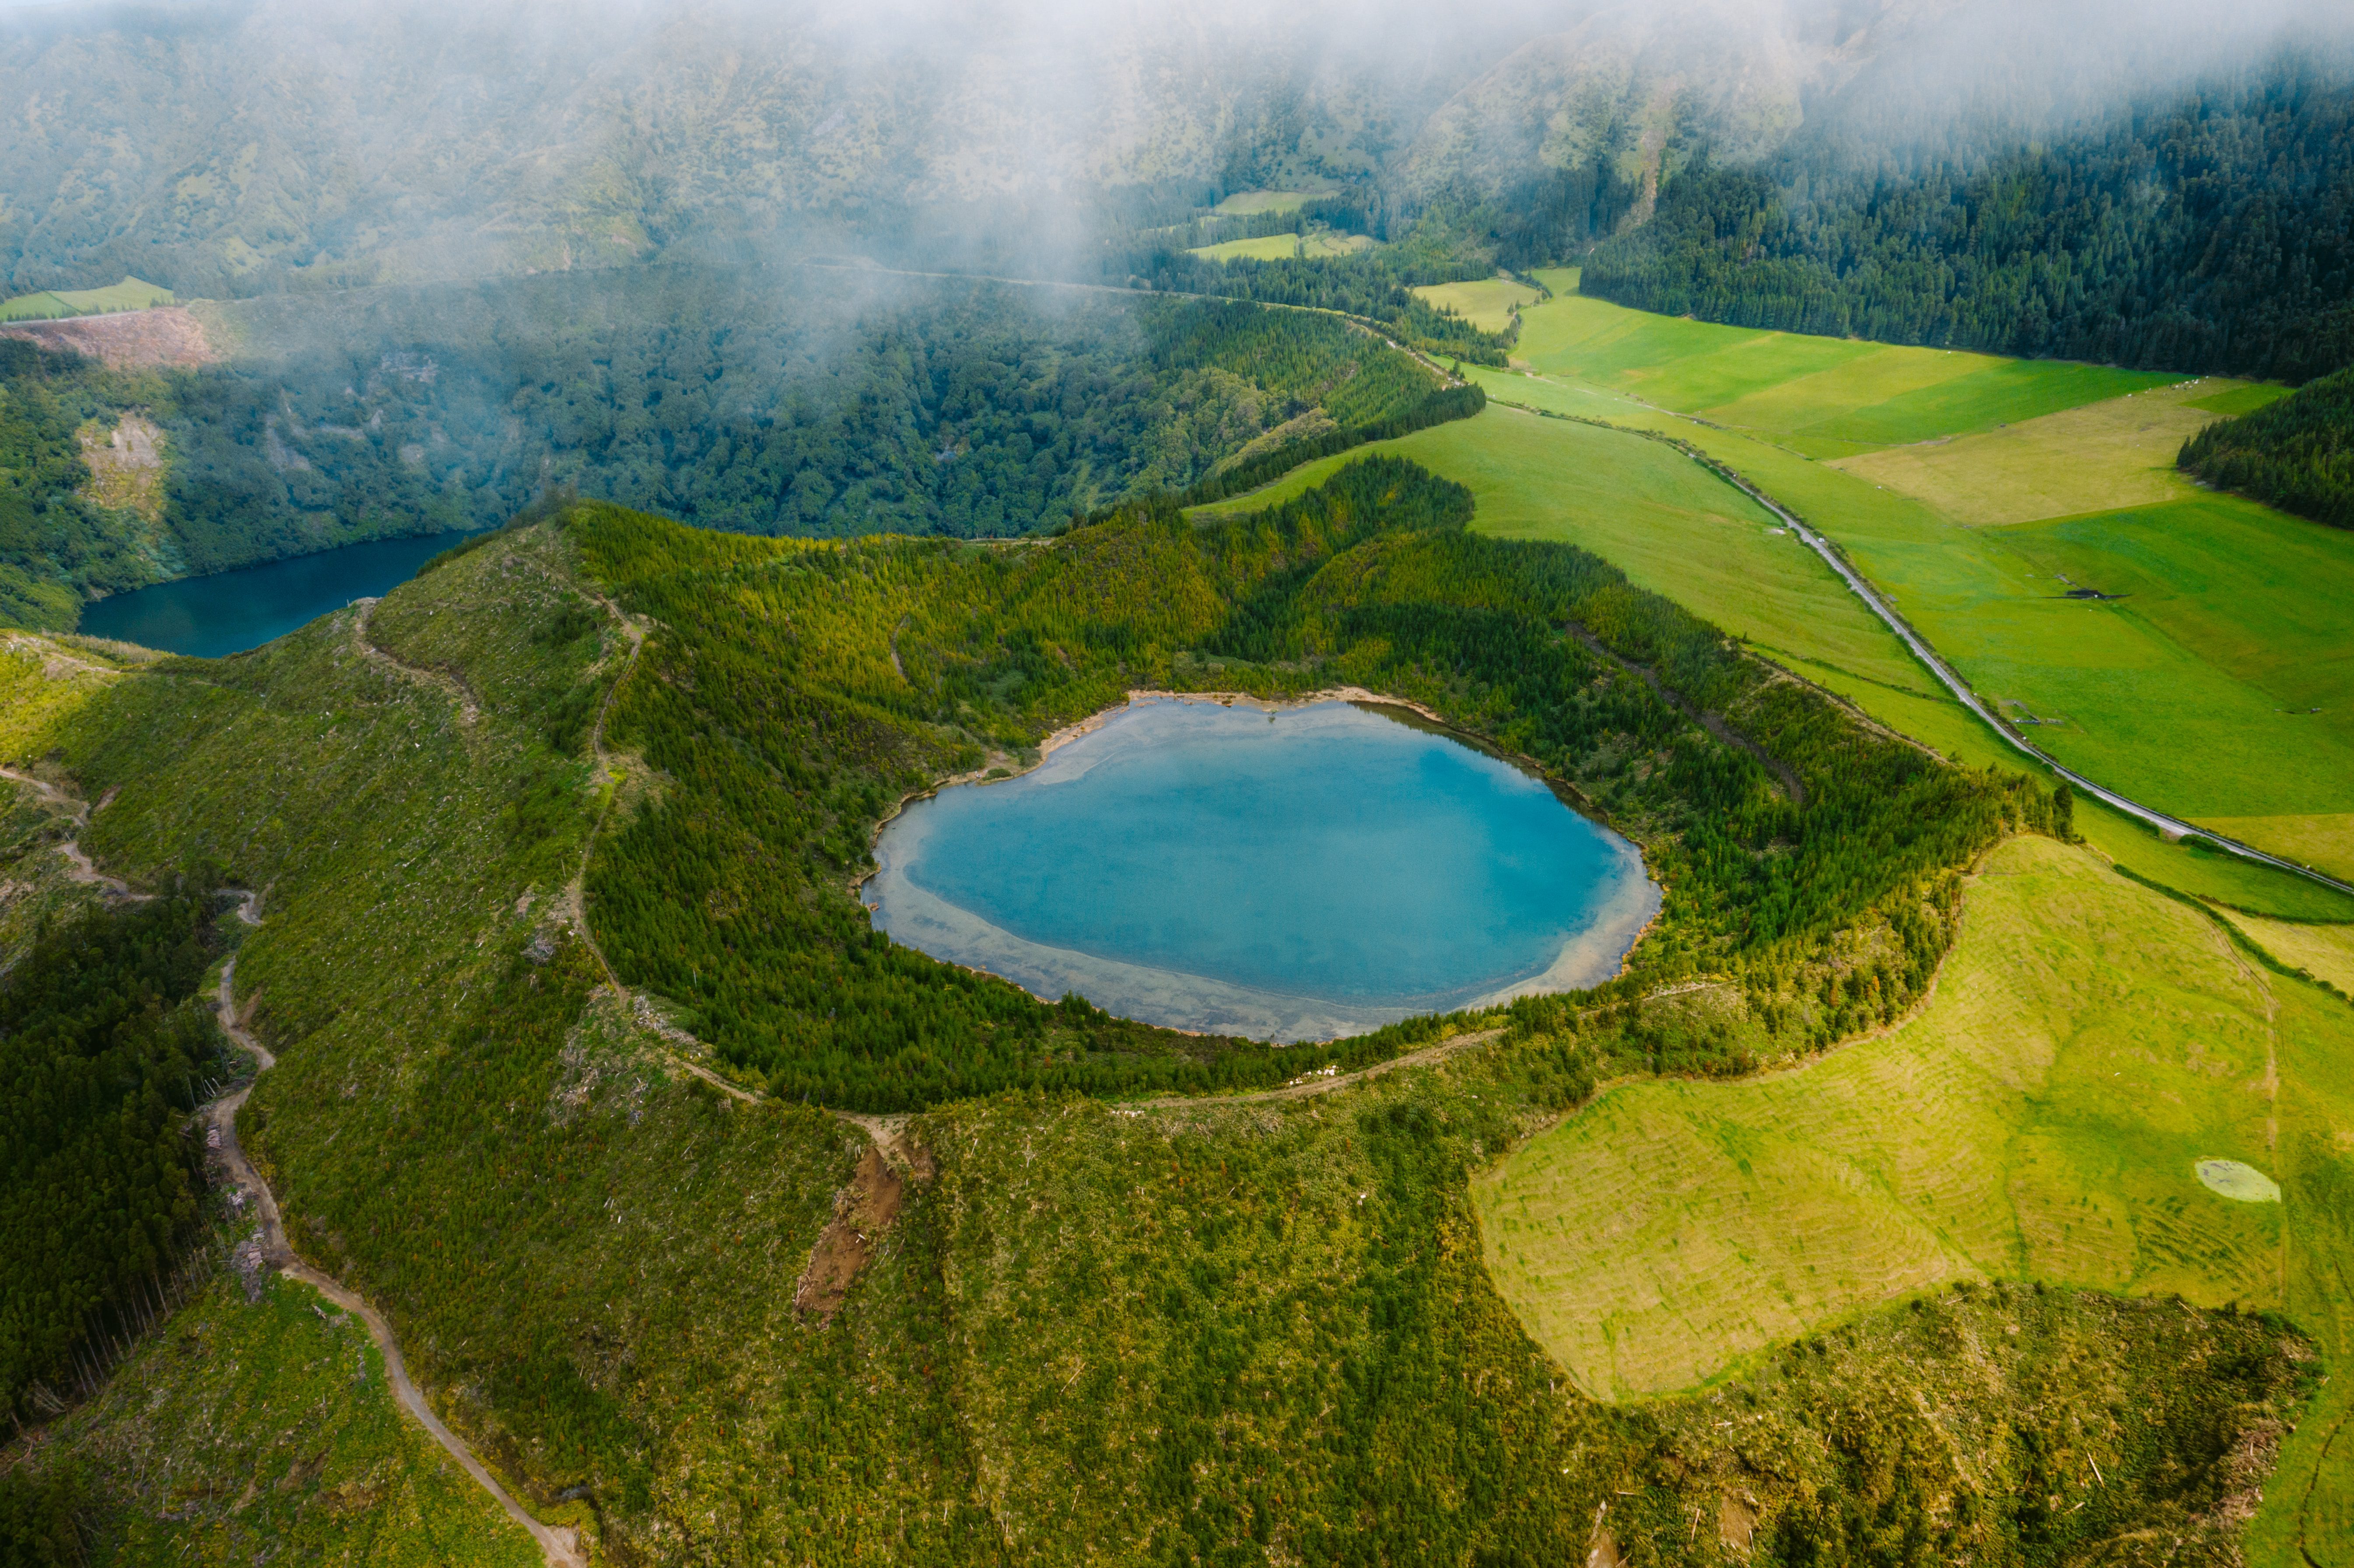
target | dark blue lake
x=229, y=612
x=1295, y=873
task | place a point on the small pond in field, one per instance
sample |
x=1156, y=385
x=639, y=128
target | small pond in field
x=1289, y=874
x=229, y=612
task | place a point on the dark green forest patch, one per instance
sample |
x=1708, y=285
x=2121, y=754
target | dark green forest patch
x=2204, y=231
x=2296, y=453
x=105, y=1046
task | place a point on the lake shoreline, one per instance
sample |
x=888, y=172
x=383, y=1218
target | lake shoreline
x=1591, y=957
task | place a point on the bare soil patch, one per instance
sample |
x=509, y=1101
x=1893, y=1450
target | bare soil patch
x=125, y=340
x=862, y=1213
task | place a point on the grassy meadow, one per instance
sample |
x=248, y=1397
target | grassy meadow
x=1283, y=247
x=1486, y=303
x=2324, y=951
x=2038, y=1118
x=2220, y=637
x=2099, y=457
x=1822, y=397
x=49, y=305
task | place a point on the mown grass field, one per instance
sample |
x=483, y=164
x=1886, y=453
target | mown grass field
x=1823, y=397
x=131, y=294
x=2324, y=951
x=2039, y=1119
x=2221, y=640
x=2102, y=456
x=1281, y=247
x=1486, y=303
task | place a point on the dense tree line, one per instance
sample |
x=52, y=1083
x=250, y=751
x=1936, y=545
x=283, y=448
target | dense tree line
x=1252, y=472
x=1373, y=286
x=796, y=692
x=2297, y=453
x=2206, y=231
x=103, y=1046
x=732, y=399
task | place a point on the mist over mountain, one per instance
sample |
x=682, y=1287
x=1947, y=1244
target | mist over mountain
x=243, y=146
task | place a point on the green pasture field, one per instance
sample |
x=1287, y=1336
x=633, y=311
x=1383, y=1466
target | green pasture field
x=1823, y=396
x=130, y=294
x=1678, y=530
x=1282, y=247
x=2039, y=1118
x=268, y=1424
x=1486, y=304
x=2099, y=458
x=2324, y=951
x=2241, y=397
x=2165, y=694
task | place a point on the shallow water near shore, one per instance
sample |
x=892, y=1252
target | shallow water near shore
x=229, y=612
x=1293, y=874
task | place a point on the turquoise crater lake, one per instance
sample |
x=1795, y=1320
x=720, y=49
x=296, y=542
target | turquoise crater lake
x=1286, y=874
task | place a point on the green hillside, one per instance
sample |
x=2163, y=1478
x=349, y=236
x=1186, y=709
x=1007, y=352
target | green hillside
x=2216, y=642
x=1270, y=1313
x=456, y=1103
x=795, y=402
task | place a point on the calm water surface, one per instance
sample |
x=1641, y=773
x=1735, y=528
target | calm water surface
x=1297, y=874
x=229, y=612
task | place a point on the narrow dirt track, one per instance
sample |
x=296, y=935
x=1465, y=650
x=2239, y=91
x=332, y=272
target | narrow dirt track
x=561, y=1546
x=78, y=866
x=468, y=709
x=1314, y=1087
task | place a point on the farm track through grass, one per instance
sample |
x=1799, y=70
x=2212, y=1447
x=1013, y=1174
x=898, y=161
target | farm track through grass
x=256, y=1426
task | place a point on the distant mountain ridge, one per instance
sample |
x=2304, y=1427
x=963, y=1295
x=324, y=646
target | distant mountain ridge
x=243, y=146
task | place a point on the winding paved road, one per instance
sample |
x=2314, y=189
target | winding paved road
x=1954, y=683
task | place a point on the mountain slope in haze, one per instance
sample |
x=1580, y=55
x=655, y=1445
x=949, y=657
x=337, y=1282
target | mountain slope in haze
x=770, y=400
x=236, y=146
x=2199, y=226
